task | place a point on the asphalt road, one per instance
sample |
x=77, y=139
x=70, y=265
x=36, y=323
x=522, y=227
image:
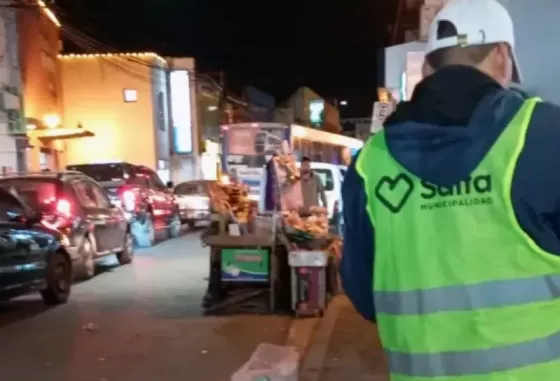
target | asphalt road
x=140, y=322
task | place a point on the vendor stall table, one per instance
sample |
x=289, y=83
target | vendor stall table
x=253, y=261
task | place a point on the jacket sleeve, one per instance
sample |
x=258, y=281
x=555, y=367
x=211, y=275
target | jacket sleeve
x=356, y=269
x=536, y=182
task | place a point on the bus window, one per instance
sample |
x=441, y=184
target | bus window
x=296, y=149
x=317, y=151
x=305, y=148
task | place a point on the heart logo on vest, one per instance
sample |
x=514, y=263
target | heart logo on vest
x=393, y=192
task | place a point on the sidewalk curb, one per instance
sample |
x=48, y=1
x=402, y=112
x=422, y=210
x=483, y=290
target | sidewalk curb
x=314, y=358
x=300, y=333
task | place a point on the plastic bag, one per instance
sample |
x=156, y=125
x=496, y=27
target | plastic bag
x=270, y=362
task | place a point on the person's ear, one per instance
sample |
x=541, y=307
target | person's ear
x=502, y=64
x=427, y=70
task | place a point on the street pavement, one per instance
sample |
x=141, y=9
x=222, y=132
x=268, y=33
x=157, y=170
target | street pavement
x=346, y=347
x=140, y=322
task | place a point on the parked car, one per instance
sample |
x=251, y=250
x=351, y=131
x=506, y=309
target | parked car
x=80, y=209
x=148, y=204
x=32, y=256
x=193, y=201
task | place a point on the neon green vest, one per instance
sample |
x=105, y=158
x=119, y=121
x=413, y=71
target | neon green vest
x=462, y=293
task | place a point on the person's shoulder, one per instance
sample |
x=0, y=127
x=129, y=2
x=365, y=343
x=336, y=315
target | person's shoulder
x=544, y=128
x=539, y=156
x=545, y=111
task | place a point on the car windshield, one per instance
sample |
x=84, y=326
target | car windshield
x=326, y=178
x=39, y=194
x=101, y=172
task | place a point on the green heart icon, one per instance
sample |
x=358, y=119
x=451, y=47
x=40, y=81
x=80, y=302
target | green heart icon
x=394, y=192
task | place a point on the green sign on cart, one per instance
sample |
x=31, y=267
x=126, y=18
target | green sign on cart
x=245, y=265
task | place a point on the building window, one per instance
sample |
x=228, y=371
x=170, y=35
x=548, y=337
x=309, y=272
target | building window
x=130, y=95
x=43, y=161
x=160, y=110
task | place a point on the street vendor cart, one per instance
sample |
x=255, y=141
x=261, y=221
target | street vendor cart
x=253, y=256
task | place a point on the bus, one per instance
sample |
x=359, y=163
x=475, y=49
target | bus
x=247, y=147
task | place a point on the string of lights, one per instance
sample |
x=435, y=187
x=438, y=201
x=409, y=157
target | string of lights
x=133, y=64
x=95, y=46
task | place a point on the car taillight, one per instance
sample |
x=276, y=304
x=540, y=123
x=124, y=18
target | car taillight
x=64, y=208
x=129, y=200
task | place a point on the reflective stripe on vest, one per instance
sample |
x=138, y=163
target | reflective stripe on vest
x=461, y=291
x=492, y=294
x=482, y=361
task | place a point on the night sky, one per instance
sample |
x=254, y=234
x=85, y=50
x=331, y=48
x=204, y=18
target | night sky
x=277, y=46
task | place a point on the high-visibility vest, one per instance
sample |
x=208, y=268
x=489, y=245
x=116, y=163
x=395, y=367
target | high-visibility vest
x=462, y=293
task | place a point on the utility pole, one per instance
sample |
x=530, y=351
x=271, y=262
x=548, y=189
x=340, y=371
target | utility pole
x=223, y=97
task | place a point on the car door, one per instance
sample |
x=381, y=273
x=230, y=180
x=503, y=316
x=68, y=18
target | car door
x=163, y=199
x=98, y=217
x=22, y=258
x=116, y=223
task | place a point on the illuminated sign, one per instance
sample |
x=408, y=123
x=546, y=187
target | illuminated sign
x=181, y=115
x=316, y=108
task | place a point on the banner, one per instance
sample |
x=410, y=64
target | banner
x=248, y=148
x=245, y=265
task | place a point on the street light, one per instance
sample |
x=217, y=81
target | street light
x=51, y=120
x=343, y=103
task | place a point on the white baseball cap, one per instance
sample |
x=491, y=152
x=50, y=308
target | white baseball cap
x=478, y=22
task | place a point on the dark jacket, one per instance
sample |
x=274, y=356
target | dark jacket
x=418, y=139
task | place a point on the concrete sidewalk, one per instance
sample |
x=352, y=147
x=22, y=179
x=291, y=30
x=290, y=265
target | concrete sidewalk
x=345, y=347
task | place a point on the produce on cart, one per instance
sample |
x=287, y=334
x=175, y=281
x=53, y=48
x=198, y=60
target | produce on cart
x=313, y=259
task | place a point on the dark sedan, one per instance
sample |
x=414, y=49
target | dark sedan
x=32, y=256
x=74, y=204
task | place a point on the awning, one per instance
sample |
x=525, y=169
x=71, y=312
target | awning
x=62, y=134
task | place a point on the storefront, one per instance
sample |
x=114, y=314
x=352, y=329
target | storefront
x=47, y=143
x=403, y=68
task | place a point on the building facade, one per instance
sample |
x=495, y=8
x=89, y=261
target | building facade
x=122, y=100
x=310, y=109
x=403, y=68
x=536, y=48
x=39, y=46
x=13, y=141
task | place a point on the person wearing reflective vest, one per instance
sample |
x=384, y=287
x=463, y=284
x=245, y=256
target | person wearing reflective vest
x=452, y=215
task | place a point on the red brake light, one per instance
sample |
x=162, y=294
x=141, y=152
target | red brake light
x=64, y=207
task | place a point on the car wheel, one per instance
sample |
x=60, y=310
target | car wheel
x=191, y=225
x=127, y=254
x=59, y=280
x=174, y=228
x=144, y=232
x=86, y=269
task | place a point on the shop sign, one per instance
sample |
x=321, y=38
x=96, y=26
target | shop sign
x=245, y=265
x=381, y=110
